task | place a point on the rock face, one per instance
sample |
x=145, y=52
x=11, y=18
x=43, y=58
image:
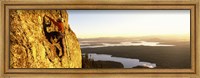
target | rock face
x=30, y=47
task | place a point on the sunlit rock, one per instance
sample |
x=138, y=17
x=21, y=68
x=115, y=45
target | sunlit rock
x=29, y=47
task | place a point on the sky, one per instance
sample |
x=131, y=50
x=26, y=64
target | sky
x=129, y=23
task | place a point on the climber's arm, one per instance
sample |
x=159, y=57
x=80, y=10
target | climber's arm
x=54, y=22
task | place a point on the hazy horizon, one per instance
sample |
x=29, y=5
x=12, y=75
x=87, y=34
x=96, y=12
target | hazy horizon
x=130, y=23
x=133, y=38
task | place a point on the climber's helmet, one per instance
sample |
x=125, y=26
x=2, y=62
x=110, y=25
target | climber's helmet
x=60, y=19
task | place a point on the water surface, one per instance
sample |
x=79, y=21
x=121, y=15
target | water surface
x=90, y=44
x=127, y=62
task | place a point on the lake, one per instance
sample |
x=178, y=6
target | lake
x=127, y=62
x=93, y=44
x=138, y=54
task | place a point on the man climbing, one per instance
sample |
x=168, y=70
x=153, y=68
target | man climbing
x=59, y=23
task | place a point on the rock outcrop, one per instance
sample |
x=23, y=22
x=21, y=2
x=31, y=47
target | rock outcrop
x=30, y=46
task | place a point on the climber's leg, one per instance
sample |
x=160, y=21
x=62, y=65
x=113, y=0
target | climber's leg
x=60, y=41
x=61, y=44
x=59, y=48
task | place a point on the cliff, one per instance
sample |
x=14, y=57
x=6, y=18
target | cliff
x=32, y=41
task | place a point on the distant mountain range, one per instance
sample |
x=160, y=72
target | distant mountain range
x=144, y=38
